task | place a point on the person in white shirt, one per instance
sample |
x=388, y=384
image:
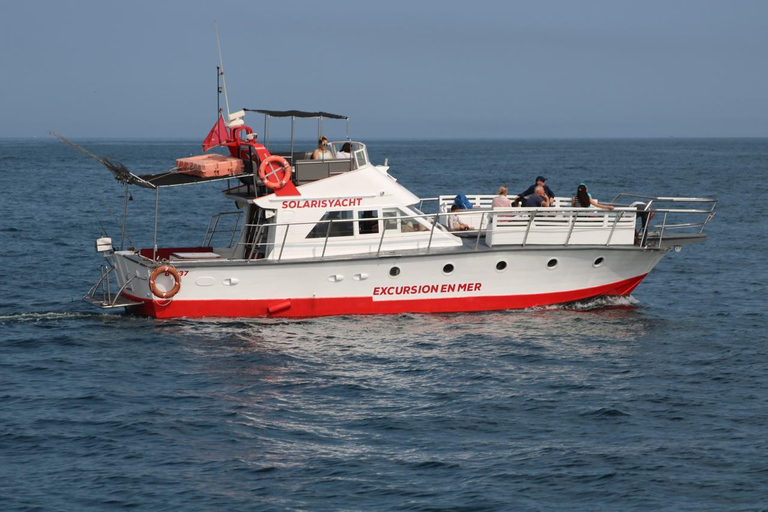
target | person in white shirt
x=322, y=152
x=454, y=224
x=345, y=152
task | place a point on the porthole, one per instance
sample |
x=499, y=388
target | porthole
x=551, y=264
x=599, y=261
x=502, y=265
x=448, y=268
x=394, y=271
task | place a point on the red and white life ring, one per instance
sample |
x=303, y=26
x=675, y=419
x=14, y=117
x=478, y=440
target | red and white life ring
x=278, y=176
x=168, y=270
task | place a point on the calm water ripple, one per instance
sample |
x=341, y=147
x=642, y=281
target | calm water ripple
x=653, y=401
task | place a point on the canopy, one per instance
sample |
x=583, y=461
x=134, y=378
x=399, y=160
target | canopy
x=295, y=113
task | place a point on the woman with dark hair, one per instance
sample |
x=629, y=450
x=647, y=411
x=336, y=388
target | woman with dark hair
x=345, y=151
x=584, y=199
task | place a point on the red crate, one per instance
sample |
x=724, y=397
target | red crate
x=208, y=166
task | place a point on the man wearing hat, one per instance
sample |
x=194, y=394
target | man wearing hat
x=541, y=181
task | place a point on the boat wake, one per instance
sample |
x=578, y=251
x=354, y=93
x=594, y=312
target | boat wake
x=597, y=303
x=48, y=316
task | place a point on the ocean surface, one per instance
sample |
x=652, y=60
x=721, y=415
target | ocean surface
x=657, y=401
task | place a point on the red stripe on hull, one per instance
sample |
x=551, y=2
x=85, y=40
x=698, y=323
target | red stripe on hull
x=307, y=307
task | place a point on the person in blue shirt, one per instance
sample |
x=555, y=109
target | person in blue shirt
x=541, y=181
x=538, y=198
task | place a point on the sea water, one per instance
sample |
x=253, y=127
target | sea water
x=653, y=401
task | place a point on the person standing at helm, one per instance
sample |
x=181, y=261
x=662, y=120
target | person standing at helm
x=322, y=152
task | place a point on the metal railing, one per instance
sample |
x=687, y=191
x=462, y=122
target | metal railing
x=213, y=225
x=542, y=222
x=101, y=294
x=650, y=206
x=255, y=247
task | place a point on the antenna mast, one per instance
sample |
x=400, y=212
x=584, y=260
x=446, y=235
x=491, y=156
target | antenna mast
x=221, y=66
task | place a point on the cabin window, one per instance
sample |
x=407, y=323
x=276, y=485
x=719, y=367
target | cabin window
x=367, y=227
x=411, y=226
x=360, y=158
x=394, y=220
x=334, y=223
x=391, y=222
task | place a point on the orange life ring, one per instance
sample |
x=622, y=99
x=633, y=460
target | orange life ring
x=279, y=181
x=167, y=270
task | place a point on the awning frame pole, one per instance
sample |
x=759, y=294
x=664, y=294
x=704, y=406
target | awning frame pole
x=293, y=120
x=125, y=213
x=157, y=206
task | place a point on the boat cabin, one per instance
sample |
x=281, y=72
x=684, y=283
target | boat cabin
x=351, y=212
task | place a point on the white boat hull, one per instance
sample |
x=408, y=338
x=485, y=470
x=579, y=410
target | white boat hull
x=449, y=281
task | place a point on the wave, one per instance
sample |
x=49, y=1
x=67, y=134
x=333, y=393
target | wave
x=47, y=316
x=605, y=302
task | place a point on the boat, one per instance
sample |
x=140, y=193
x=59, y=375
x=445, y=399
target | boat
x=342, y=236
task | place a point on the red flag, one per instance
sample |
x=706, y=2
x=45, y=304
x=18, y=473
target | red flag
x=217, y=136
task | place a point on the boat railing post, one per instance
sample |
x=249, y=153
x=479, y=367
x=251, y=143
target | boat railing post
x=431, y=232
x=234, y=228
x=707, y=221
x=479, y=230
x=157, y=207
x=293, y=162
x=255, y=243
x=108, y=287
x=104, y=270
x=647, y=223
x=215, y=227
x=282, y=246
x=613, y=228
x=663, y=225
x=112, y=302
x=327, y=235
x=530, y=224
x=381, y=240
x=206, y=236
x=125, y=213
x=574, y=216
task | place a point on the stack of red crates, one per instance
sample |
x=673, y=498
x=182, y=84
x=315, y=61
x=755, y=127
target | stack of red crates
x=208, y=166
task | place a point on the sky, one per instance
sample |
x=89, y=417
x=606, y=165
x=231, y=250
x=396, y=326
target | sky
x=418, y=69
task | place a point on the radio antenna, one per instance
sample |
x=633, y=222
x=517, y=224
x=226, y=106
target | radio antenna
x=221, y=65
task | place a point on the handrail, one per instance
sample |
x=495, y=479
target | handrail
x=539, y=220
x=570, y=229
x=613, y=228
x=104, y=283
x=479, y=229
x=210, y=232
x=528, y=229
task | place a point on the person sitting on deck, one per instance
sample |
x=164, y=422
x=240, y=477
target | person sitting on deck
x=345, y=152
x=454, y=224
x=538, y=198
x=322, y=152
x=501, y=200
x=541, y=181
x=584, y=199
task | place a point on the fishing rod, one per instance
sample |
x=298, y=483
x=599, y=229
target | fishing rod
x=123, y=231
x=103, y=229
